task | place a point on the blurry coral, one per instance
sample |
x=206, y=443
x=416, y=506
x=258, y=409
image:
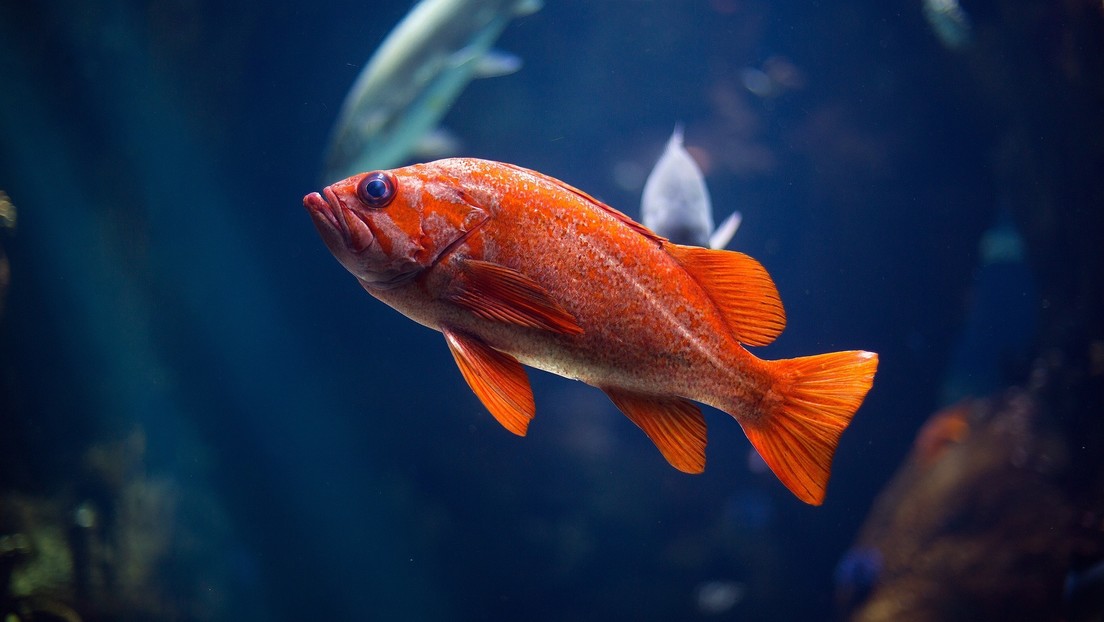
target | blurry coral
x=119, y=543
x=976, y=525
x=7, y=226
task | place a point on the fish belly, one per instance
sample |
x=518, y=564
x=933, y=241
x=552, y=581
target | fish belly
x=632, y=342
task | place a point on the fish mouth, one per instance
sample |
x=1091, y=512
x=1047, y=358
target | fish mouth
x=328, y=212
x=324, y=207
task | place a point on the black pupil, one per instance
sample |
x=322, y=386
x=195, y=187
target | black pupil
x=377, y=188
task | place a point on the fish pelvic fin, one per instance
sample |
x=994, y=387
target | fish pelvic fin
x=498, y=380
x=802, y=418
x=741, y=289
x=674, y=424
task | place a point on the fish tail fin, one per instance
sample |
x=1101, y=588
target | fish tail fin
x=799, y=426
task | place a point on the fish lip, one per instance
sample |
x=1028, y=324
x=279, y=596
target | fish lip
x=327, y=206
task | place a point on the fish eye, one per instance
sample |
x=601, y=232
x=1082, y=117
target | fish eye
x=376, y=189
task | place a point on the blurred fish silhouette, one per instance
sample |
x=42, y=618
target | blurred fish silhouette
x=515, y=268
x=415, y=76
x=949, y=22
x=675, y=203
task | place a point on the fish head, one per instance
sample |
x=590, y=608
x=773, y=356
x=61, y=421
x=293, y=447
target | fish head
x=388, y=226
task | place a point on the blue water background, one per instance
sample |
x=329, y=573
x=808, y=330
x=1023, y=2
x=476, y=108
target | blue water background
x=166, y=276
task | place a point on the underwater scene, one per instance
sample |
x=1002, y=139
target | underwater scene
x=714, y=310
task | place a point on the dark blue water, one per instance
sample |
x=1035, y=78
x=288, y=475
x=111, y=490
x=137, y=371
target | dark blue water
x=319, y=456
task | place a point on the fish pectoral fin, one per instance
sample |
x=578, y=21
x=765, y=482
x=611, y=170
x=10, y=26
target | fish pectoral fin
x=674, y=424
x=740, y=287
x=496, y=292
x=498, y=380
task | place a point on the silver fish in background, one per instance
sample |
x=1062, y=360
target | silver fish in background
x=415, y=76
x=675, y=203
x=949, y=22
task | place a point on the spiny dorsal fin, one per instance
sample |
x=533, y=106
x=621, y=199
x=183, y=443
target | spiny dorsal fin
x=674, y=424
x=497, y=379
x=496, y=292
x=741, y=289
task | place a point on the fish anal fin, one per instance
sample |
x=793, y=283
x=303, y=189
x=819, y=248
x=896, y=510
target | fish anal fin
x=740, y=288
x=814, y=399
x=498, y=380
x=496, y=292
x=674, y=424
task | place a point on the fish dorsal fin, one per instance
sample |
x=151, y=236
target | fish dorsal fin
x=629, y=222
x=674, y=424
x=740, y=288
x=497, y=379
x=496, y=292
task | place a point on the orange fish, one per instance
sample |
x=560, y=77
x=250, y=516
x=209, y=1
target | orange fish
x=517, y=268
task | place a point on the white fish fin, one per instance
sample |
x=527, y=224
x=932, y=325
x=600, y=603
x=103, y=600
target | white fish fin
x=676, y=136
x=484, y=63
x=467, y=55
x=495, y=63
x=527, y=7
x=723, y=235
